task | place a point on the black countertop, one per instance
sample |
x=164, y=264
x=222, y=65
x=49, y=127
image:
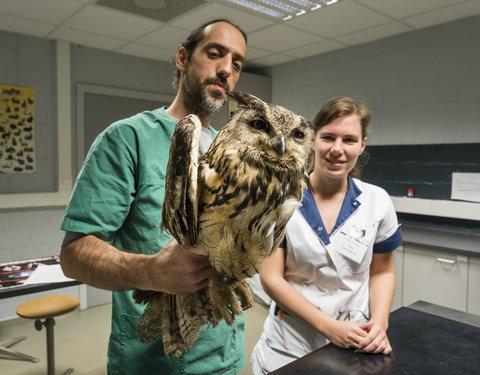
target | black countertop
x=426, y=339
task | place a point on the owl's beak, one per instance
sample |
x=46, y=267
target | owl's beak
x=280, y=146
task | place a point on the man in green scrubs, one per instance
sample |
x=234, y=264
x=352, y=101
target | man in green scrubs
x=112, y=221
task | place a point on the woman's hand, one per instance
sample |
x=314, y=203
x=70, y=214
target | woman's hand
x=376, y=341
x=346, y=335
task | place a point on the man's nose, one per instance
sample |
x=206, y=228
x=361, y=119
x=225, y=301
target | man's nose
x=225, y=66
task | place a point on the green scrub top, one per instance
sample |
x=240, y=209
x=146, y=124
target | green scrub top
x=118, y=197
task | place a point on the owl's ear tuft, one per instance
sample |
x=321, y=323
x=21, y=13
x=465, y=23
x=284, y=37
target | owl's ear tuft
x=247, y=100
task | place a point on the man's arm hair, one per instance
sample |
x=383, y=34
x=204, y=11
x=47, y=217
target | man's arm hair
x=172, y=270
x=95, y=262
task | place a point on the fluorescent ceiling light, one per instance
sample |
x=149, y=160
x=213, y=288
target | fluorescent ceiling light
x=283, y=9
x=259, y=8
x=282, y=6
x=306, y=4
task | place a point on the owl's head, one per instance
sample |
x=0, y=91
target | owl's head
x=266, y=133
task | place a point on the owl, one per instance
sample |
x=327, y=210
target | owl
x=235, y=202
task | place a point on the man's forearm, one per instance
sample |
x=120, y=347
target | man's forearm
x=99, y=264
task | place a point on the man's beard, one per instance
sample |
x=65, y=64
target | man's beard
x=196, y=98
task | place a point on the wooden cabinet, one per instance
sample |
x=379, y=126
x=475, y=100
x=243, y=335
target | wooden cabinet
x=435, y=276
x=473, y=303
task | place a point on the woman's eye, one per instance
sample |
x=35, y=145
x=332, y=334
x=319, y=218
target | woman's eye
x=260, y=125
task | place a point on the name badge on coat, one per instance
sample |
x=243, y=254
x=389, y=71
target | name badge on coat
x=352, y=244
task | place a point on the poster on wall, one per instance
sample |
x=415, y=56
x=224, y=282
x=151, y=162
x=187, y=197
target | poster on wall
x=17, y=129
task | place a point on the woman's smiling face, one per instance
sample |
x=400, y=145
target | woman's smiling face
x=338, y=145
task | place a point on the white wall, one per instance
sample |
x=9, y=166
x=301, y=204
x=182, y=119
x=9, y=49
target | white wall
x=422, y=86
x=30, y=233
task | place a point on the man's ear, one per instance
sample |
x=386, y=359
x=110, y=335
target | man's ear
x=181, y=59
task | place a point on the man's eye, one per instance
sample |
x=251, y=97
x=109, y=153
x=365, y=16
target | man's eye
x=260, y=125
x=212, y=54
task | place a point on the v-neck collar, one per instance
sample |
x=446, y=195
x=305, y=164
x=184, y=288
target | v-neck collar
x=311, y=214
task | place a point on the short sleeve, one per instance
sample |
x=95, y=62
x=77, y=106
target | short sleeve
x=105, y=186
x=389, y=236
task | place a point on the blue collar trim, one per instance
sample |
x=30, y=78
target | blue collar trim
x=311, y=214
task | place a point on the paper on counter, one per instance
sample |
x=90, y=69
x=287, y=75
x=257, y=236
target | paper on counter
x=47, y=273
x=466, y=186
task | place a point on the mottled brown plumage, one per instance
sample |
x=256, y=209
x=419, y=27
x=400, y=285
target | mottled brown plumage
x=235, y=202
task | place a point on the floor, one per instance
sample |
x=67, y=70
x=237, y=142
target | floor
x=81, y=341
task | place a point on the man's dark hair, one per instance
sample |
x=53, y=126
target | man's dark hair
x=196, y=36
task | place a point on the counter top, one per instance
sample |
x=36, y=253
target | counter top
x=439, y=239
x=426, y=339
x=437, y=207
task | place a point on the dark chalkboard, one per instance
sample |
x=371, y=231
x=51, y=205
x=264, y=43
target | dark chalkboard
x=425, y=168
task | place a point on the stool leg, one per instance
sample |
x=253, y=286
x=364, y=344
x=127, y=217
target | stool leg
x=7, y=353
x=12, y=354
x=49, y=323
x=12, y=342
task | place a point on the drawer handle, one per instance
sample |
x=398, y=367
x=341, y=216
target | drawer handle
x=446, y=261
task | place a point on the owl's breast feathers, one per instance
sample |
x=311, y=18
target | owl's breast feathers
x=244, y=207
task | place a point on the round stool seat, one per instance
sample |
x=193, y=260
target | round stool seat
x=47, y=306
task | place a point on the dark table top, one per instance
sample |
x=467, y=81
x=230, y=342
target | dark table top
x=423, y=343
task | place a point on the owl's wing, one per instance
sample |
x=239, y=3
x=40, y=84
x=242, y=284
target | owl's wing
x=180, y=208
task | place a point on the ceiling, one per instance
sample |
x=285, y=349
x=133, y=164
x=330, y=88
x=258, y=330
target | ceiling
x=270, y=41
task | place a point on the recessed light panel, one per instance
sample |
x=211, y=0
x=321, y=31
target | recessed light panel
x=282, y=9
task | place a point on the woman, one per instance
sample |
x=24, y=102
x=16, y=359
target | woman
x=332, y=279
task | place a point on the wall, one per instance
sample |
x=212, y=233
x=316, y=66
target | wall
x=29, y=62
x=422, y=86
x=26, y=233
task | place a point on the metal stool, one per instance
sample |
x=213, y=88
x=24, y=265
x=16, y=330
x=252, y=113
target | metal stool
x=47, y=308
x=7, y=353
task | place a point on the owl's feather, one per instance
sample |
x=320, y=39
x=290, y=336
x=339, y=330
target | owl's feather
x=235, y=201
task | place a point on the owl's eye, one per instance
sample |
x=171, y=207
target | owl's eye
x=260, y=125
x=297, y=133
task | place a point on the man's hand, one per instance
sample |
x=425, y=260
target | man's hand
x=178, y=269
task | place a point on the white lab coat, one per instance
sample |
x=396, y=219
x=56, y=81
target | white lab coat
x=332, y=272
